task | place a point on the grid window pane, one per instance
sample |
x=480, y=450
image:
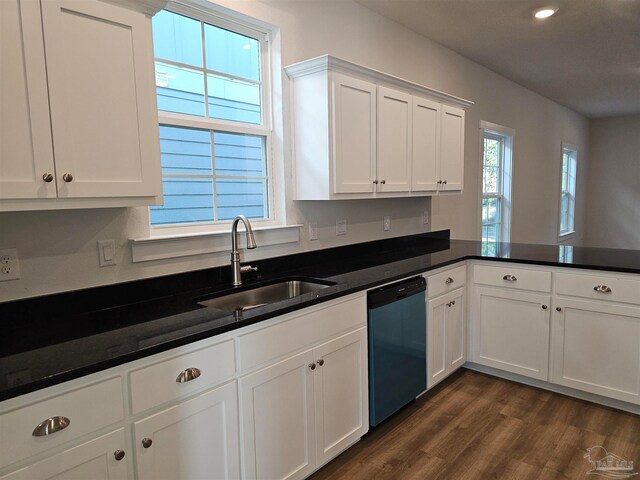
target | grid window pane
x=186, y=200
x=177, y=38
x=232, y=99
x=179, y=89
x=238, y=154
x=232, y=53
x=238, y=196
x=491, y=211
x=492, y=149
x=185, y=151
x=491, y=180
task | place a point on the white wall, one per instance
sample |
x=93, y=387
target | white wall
x=58, y=249
x=613, y=195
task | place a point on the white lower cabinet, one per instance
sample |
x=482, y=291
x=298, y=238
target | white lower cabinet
x=195, y=439
x=103, y=458
x=595, y=347
x=510, y=331
x=302, y=411
x=446, y=329
x=341, y=394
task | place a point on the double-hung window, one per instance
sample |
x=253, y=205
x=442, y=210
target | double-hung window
x=568, y=190
x=213, y=96
x=497, y=146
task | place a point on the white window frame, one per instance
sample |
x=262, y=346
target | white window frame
x=566, y=235
x=271, y=126
x=506, y=197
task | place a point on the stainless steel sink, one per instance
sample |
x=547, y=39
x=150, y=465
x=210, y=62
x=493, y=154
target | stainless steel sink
x=259, y=296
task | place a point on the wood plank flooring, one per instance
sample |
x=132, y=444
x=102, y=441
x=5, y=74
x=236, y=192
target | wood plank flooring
x=478, y=427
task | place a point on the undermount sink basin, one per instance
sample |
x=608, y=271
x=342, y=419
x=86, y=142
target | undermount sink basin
x=259, y=296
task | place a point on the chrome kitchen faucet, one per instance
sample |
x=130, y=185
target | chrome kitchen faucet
x=235, y=254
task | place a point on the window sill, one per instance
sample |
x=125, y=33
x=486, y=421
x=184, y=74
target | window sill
x=161, y=247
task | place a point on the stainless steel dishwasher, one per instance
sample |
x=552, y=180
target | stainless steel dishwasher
x=397, y=346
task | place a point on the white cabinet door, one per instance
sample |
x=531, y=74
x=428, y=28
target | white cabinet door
x=103, y=113
x=278, y=432
x=446, y=334
x=394, y=140
x=95, y=460
x=456, y=330
x=341, y=393
x=26, y=154
x=436, y=340
x=595, y=347
x=193, y=440
x=426, y=145
x=452, y=148
x=354, y=135
x=511, y=331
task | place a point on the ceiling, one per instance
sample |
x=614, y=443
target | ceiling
x=586, y=57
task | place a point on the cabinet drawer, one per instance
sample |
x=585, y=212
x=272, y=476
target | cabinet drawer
x=599, y=287
x=272, y=342
x=181, y=375
x=446, y=281
x=87, y=409
x=510, y=277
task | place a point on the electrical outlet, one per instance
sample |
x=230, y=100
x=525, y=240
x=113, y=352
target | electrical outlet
x=106, y=252
x=313, y=231
x=341, y=227
x=9, y=264
x=425, y=217
x=386, y=223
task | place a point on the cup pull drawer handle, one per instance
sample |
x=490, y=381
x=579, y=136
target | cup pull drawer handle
x=602, y=289
x=449, y=281
x=510, y=278
x=188, y=374
x=50, y=426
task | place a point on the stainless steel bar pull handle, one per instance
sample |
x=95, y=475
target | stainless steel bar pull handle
x=188, y=374
x=602, y=289
x=449, y=281
x=50, y=426
x=510, y=278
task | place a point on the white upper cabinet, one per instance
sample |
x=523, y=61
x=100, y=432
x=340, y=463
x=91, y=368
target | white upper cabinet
x=452, y=148
x=360, y=133
x=87, y=121
x=394, y=140
x=426, y=145
x=26, y=154
x=354, y=119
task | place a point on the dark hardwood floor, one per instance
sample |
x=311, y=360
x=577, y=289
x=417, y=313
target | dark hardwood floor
x=475, y=426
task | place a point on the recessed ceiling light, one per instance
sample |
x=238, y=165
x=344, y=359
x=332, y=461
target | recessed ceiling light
x=545, y=12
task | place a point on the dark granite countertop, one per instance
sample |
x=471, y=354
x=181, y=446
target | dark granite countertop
x=51, y=339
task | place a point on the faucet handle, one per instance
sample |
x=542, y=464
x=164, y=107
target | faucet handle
x=248, y=268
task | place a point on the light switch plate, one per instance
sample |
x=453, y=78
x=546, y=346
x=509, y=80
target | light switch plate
x=106, y=253
x=386, y=223
x=341, y=227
